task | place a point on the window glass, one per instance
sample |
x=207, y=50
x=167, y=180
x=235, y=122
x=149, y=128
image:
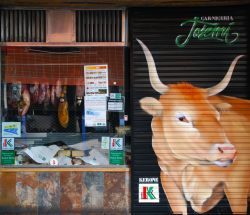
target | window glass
x=63, y=106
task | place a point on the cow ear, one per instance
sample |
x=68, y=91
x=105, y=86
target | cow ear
x=151, y=106
x=222, y=106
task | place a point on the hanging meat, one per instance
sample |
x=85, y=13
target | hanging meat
x=42, y=93
x=63, y=112
x=13, y=94
x=24, y=102
x=34, y=92
x=47, y=96
x=53, y=95
x=79, y=94
x=58, y=88
x=79, y=104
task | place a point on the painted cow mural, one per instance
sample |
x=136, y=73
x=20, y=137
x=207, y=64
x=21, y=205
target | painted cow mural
x=201, y=141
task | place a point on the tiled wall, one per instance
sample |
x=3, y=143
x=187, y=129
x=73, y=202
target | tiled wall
x=24, y=65
x=86, y=193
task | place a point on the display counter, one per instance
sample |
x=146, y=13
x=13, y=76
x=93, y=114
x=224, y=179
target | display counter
x=40, y=168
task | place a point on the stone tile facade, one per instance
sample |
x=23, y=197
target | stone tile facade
x=85, y=193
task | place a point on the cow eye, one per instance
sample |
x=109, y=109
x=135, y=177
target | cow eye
x=182, y=118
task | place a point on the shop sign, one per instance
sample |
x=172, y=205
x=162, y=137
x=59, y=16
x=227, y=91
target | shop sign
x=8, y=143
x=95, y=111
x=116, y=143
x=105, y=143
x=149, y=193
x=115, y=105
x=115, y=96
x=7, y=157
x=148, y=190
x=11, y=129
x=116, y=157
x=96, y=80
x=204, y=28
x=116, y=153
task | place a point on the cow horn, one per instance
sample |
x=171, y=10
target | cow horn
x=225, y=81
x=153, y=76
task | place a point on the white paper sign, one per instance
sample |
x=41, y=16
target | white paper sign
x=95, y=158
x=115, y=106
x=64, y=161
x=96, y=80
x=105, y=143
x=90, y=160
x=95, y=111
x=8, y=143
x=41, y=154
x=11, y=129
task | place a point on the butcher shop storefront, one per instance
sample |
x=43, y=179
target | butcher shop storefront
x=65, y=145
x=190, y=101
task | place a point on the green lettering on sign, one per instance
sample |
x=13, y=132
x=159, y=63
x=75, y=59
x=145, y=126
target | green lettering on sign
x=7, y=157
x=203, y=30
x=116, y=157
x=150, y=193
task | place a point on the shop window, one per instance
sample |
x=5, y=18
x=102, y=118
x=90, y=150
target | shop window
x=63, y=106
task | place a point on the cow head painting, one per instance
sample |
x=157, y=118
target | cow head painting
x=193, y=141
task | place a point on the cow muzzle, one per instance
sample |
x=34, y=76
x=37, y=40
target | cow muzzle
x=223, y=154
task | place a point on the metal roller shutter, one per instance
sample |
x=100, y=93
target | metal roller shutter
x=99, y=25
x=22, y=25
x=202, y=63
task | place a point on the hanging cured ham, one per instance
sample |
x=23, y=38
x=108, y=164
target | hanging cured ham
x=63, y=112
x=47, y=96
x=34, y=93
x=13, y=94
x=79, y=90
x=53, y=95
x=42, y=94
x=24, y=102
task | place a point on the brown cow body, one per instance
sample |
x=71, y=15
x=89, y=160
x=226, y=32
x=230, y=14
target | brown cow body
x=204, y=185
x=202, y=143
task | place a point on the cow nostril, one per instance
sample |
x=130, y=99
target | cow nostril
x=221, y=150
